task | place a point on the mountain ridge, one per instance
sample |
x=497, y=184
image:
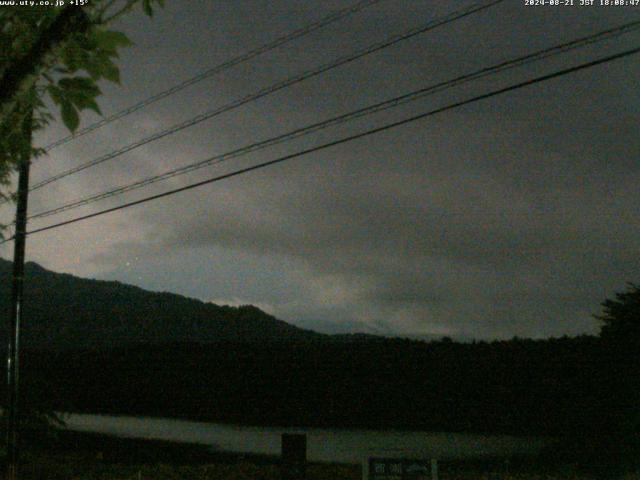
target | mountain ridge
x=65, y=311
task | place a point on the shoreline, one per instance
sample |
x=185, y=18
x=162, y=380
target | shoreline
x=324, y=445
x=91, y=455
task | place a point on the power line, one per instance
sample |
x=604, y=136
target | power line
x=272, y=89
x=350, y=138
x=312, y=27
x=459, y=14
x=375, y=108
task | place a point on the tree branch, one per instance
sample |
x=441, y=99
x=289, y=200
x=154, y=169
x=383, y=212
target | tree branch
x=20, y=76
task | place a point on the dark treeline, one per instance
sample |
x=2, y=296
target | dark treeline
x=518, y=386
x=104, y=347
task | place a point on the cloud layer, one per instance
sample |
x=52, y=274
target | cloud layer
x=513, y=216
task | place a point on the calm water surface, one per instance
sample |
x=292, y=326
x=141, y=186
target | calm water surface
x=323, y=445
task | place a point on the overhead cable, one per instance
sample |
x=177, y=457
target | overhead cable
x=459, y=14
x=244, y=57
x=343, y=140
x=375, y=108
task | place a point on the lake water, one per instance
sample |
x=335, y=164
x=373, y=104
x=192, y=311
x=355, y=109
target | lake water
x=323, y=445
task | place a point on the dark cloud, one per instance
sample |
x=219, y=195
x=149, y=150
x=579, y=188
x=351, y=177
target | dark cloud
x=513, y=216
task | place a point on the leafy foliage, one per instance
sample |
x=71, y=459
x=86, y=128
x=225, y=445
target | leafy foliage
x=190, y=359
x=67, y=70
x=43, y=53
x=620, y=334
x=621, y=316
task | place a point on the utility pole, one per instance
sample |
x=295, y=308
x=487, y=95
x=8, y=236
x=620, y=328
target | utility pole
x=16, y=303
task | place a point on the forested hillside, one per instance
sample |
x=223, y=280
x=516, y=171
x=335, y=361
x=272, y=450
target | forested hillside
x=105, y=347
x=64, y=311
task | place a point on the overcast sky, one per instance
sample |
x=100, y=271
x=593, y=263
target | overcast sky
x=516, y=215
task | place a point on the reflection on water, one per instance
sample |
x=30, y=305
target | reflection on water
x=344, y=446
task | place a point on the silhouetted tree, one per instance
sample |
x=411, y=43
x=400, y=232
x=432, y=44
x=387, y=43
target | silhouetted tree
x=621, y=318
x=620, y=336
x=56, y=54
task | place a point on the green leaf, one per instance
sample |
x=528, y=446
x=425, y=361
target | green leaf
x=89, y=41
x=77, y=89
x=94, y=68
x=56, y=94
x=111, y=40
x=87, y=102
x=70, y=116
x=79, y=84
x=74, y=57
x=111, y=72
x=91, y=104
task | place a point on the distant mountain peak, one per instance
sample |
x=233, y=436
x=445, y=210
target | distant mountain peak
x=66, y=311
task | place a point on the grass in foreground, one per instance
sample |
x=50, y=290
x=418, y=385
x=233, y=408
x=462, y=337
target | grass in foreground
x=54, y=470
x=76, y=456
